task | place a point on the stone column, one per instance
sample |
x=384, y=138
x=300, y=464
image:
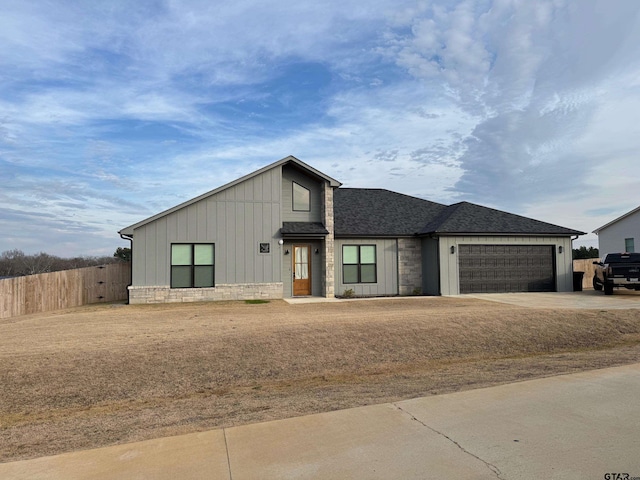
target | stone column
x=328, y=265
x=409, y=266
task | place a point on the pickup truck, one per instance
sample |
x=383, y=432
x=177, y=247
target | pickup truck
x=617, y=270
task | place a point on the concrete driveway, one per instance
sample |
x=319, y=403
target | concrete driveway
x=588, y=299
x=579, y=426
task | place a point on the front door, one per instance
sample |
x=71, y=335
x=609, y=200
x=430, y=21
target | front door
x=301, y=270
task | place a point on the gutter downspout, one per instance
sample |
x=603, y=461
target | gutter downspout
x=130, y=239
x=397, y=267
x=572, y=272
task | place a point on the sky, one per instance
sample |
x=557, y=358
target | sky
x=113, y=111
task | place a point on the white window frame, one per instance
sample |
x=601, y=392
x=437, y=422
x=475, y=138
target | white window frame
x=629, y=242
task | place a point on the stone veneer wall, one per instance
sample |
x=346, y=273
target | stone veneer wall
x=328, y=267
x=409, y=266
x=246, y=291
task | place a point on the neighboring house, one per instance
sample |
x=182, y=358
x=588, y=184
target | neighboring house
x=288, y=230
x=620, y=235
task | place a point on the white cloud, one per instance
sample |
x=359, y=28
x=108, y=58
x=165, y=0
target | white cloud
x=535, y=74
x=515, y=104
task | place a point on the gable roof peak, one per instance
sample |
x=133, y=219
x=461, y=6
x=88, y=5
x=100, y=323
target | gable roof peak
x=128, y=231
x=616, y=220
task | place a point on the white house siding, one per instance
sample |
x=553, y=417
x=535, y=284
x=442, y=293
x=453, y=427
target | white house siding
x=611, y=238
x=387, y=268
x=236, y=220
x=449, y=279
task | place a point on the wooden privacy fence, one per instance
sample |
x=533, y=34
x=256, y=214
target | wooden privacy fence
x=67, y=288
x=585, y=265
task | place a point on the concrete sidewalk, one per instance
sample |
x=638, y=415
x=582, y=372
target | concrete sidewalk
x=577, y=426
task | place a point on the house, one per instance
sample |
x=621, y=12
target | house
x=289, y=230
x=619, y=235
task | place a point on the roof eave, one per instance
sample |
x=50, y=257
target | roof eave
x=374, y=235
x=291, y=159
x=303, y=236
x=504, y=234
x=621, y=217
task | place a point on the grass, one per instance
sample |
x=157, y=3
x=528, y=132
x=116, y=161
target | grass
x=99, y=375
x=256, y=302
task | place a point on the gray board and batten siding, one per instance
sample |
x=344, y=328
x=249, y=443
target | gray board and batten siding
x=236, y=219
x=291, y=175
x=559, y=247
x=386, y=263
x=430, y=266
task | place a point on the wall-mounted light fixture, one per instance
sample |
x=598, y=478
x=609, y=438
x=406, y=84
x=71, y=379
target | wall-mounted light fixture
x=280, y=242
x=316, y=251
x=286, y=252
x=560, y=249
x=453, y=249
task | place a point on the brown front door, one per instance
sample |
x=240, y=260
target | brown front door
x=301, y=270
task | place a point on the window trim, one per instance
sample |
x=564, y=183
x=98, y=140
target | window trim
x=360, y=264
x=193, y=265
x=627, y=241
x=293, y=198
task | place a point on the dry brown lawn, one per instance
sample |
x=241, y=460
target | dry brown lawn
x=106, y=374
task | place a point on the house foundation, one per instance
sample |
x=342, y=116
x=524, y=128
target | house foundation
x=165, y=294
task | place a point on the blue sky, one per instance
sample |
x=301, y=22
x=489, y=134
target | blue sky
x=113, y=111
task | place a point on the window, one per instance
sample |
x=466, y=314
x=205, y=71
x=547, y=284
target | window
x=629, y=246
x=359, y=264
x=192, y=265
x=301, y=198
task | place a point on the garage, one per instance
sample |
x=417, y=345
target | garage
x=506, y=268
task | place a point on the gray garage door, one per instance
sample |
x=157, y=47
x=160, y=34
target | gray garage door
x=506, y=268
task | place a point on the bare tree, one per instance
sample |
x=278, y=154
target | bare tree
x=10, y=263
x=40, y=263
x=14, y=263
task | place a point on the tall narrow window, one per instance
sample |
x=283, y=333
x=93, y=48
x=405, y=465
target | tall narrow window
x=629, y=246
x=192, y=265
x=301, y=198
x=359, y=264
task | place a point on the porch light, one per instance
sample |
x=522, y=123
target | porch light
x=453, y=249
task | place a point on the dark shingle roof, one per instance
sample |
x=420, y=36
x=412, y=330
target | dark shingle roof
x=303, y=228
x=382, y=213
x=465, y=217
x=378, y=212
